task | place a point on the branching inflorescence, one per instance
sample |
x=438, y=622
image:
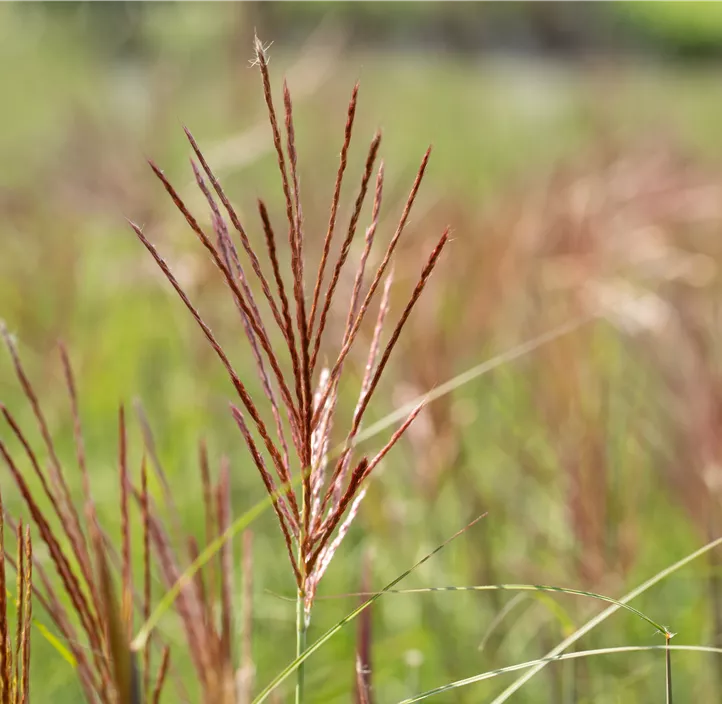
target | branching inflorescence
x=302, y=402
x=293, y=448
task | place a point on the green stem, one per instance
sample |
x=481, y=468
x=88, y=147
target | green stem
x=668, y=673
x=301, y=630
x=302, y=618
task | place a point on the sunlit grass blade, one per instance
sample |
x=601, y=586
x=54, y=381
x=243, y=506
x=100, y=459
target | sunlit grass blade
x=599, y=618
x=56, y=644
x=293, y=666
x=501, y=616
x=456, y=382
x=557, y=658
x=523, y=588
x=562, y=616
x=53, y=640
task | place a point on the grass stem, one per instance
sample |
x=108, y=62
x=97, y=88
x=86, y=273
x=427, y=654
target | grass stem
x=301, y=630
x=668, y=673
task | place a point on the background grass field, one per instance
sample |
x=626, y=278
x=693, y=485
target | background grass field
x=578, y=189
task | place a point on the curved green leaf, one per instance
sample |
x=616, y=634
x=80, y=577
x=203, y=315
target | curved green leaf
x=545, y=661
x=293, y=666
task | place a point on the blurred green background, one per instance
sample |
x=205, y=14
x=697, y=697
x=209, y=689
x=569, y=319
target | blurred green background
x=577, y=158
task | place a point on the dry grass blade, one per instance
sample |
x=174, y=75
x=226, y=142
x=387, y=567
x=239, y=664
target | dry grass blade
x=160, y=678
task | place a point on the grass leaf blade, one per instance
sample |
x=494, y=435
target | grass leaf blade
x=293, y=666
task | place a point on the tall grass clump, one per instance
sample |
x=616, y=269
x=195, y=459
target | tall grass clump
x=95, y=623
x=289, y=443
